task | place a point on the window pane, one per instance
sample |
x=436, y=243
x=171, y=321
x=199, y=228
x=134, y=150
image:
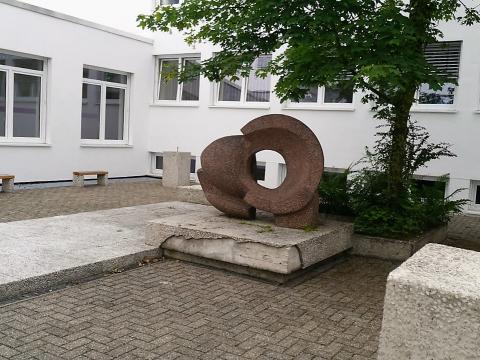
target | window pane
x=159, y=162
x=230, y=90
x=3, y=101
x=335, y=95
x=311, y=96
x=443, y=96
x=168, y=85
x=477, y=196
x=169, y=2
x=260, y=171
x=191, y=88
x=193, y=165
x=26, y=106
x=114, y=114
x=258, y=89
x=91, y=99
x=104, y=76
x=21, y=62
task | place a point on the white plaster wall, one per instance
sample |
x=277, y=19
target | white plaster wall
x=343, y=134
x=68, y=46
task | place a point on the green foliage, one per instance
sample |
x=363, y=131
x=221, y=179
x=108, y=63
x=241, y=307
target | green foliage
x=334, y=194
x=364, y=193
x=373, y=46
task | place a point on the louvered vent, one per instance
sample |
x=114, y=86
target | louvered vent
x=445, y=57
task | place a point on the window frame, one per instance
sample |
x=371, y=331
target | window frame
x=103, y=107
x=473, y=194
x=180, y=58
x=417, y=107
x=10, y=97
x=157, y=3
x=242, y=103
x=321, y=104
x=159, y=172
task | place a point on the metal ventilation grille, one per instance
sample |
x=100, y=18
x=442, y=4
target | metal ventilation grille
x=445, y=57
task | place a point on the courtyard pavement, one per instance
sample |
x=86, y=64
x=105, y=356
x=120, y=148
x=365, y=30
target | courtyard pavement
x=176, y=310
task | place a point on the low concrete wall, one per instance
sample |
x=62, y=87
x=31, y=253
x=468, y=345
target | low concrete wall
x=395, y=249
x=432, y=307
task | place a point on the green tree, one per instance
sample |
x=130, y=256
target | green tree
x=372, y=46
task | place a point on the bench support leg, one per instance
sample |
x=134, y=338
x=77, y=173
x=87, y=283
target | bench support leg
x=78, y=180
x=102, y=180
x=7, y=185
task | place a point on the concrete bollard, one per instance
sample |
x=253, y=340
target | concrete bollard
x=432, y=307
x=176, y=169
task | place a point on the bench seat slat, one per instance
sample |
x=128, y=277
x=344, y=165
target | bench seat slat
x=6, y=177
x=83, y=173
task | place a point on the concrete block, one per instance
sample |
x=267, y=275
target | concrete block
x=102, y=180
x=395, y=249
x=176, y=169
x=432, y=306
x=256, y=244
x=7, y=185
x=78, y=180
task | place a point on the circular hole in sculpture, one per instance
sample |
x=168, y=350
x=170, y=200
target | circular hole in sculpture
x=270, y=169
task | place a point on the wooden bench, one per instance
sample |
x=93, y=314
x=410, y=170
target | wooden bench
x=7, y=183
x=79, y=177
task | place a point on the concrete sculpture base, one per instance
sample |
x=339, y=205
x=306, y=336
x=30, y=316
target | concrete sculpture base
x=254, y=245
x=432, y=307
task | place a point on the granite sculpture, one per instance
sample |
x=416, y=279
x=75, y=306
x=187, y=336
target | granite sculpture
x=228, y=168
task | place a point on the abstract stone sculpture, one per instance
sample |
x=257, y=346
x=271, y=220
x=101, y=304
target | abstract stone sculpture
x=228, y=168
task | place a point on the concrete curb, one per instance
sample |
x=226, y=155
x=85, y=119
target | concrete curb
x=40, y=284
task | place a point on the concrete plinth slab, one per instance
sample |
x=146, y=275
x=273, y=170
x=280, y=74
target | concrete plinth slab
x=39, y=254
x=432, y=306
x=207, y=233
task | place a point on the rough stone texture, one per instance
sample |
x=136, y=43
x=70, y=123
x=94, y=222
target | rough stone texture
x=395, y=249
x=227, y=173
x=175, y=310
x=192, y=194
x=258, y=244
x=432, y=307
x=39, y=203
x=41, y=253
x=8, y=185
x=465, y=227
x=78, y=180
x=176, y=169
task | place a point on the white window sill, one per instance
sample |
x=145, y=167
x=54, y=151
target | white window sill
x=320, y=108
x=26, y=144
x=106, y=145
x=175, y=104
x=265, y=106
x=445, y=110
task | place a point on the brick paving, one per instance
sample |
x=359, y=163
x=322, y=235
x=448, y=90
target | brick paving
x=39, y=203
x=175, y=310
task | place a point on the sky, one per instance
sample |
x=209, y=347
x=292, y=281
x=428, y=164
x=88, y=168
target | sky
x=119, y=14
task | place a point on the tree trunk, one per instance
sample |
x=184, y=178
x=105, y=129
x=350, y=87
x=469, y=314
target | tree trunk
x=399, y=123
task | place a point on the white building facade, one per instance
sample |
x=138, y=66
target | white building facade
x=99, y=102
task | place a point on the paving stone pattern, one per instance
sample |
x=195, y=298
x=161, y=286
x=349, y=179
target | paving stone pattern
x=39, y=203
x=176, y=310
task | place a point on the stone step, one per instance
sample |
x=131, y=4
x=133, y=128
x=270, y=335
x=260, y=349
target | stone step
x=258, y=245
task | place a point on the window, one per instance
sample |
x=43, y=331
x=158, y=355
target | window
x=252, y=89
x=169, y=88
x=167, y=2
x=475, y=195
x=157, y=164
x=22, y=98
x=260, y=171
x=445, y=57
x=104, y=106
x=325, y=97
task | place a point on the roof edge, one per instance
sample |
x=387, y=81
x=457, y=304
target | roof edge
x=75, y=20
